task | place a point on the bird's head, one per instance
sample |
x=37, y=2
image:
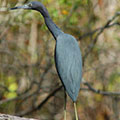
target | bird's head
x=32, y=5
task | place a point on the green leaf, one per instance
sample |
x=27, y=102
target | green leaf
x=10, y=94
x=13, y=87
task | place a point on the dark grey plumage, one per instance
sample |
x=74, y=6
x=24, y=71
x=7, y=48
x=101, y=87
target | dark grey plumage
x=67, y=53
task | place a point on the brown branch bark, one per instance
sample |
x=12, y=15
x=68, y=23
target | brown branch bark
x=98, y=32
x=10, y=117
x=29, y=110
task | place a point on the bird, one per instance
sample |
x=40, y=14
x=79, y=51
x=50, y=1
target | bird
x=68, y=58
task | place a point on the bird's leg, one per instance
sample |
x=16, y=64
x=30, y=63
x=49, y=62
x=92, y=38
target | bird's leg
x=65, y=105
x=76, y=115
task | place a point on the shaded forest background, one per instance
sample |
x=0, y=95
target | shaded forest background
x=29, y=84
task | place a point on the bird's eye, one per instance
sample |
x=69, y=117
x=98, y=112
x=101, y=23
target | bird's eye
x=30, y=5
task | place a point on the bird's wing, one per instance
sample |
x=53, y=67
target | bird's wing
x=69, y=64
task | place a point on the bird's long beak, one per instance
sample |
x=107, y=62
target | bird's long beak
x=20, y=7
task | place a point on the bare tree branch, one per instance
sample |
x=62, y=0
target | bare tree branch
x=29, y=110
x=10, y=117
x=99, y=31
x=105, y=93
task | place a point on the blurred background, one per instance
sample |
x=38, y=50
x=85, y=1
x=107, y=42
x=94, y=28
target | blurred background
x=29, y=84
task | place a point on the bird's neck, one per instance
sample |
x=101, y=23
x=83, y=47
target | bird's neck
x=52, y=27
x=50, y=24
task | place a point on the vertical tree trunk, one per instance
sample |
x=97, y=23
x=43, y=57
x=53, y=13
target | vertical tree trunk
x=32, y=48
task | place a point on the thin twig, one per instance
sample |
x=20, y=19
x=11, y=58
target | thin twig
x=31, y=109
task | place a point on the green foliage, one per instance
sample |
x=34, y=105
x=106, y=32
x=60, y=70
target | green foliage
x=118, y=39
x=113, y=81
x=10, y=79
x=12, y=87
x=74, y=19
x=10, y=95
x=66, y=2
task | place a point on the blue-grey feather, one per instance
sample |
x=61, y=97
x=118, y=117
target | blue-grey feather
x=69, y=64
